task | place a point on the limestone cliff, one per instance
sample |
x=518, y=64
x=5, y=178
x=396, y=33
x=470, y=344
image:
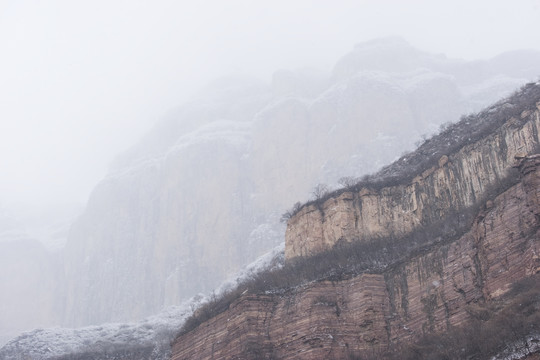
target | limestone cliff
x=426, y=290
x=454, y=182
x=366, y=313
x=201, y=194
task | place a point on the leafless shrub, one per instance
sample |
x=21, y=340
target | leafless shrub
x=111, y=351
x=289, y=213
x=320, y=191
x=348, y=182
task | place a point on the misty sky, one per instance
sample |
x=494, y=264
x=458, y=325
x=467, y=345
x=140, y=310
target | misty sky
x=81, y=81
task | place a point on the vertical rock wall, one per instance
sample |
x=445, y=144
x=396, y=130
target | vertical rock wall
x=455, y=183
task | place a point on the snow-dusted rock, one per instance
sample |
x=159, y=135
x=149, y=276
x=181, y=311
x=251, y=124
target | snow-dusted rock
x=201, y=195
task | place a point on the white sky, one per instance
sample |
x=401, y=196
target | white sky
x=81, y=81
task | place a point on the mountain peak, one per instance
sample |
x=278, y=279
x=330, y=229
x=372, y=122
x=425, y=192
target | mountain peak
x=388, y=54
x=383, y=42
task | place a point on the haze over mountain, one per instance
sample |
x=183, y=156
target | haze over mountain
x=81, y=81
x=201, y=194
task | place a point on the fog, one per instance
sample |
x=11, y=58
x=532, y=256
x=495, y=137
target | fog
x=81, y=81
x=129, y=185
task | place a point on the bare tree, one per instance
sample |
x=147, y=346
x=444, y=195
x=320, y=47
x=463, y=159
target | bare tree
x=290, y=213
x=320, y=191
x=348, y=181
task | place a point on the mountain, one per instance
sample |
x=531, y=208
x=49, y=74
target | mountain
x=434, y=256
x=201, y=194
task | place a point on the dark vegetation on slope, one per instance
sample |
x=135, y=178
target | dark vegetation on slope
x=111, y=351
x=494, y=327
x=350, y=259
x=453, y=137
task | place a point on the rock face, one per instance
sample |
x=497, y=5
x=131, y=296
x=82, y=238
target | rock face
x=456, y=182
x=201, y=195
x=364, y=314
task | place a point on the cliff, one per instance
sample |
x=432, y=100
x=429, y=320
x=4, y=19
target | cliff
x=458, y=190
x=364, y=314
x=453, y=183
x=201, y=194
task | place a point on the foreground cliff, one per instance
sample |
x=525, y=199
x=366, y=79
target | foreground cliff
x=364, y=313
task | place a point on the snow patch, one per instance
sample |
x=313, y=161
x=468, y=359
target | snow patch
x=273, y=259
x=520, y=349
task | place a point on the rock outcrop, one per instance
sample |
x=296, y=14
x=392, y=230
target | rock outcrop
x=454, y=183
x=365, y=314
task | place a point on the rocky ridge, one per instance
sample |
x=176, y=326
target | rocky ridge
x=201, y=195
x=454, y=182
x=364, y=314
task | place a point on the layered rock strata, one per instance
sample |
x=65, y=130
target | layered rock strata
x=456, y=182
x=365, y=314
x=201, y=194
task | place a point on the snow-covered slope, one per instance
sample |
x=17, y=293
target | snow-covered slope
x=154, y=332
x=147, y=339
